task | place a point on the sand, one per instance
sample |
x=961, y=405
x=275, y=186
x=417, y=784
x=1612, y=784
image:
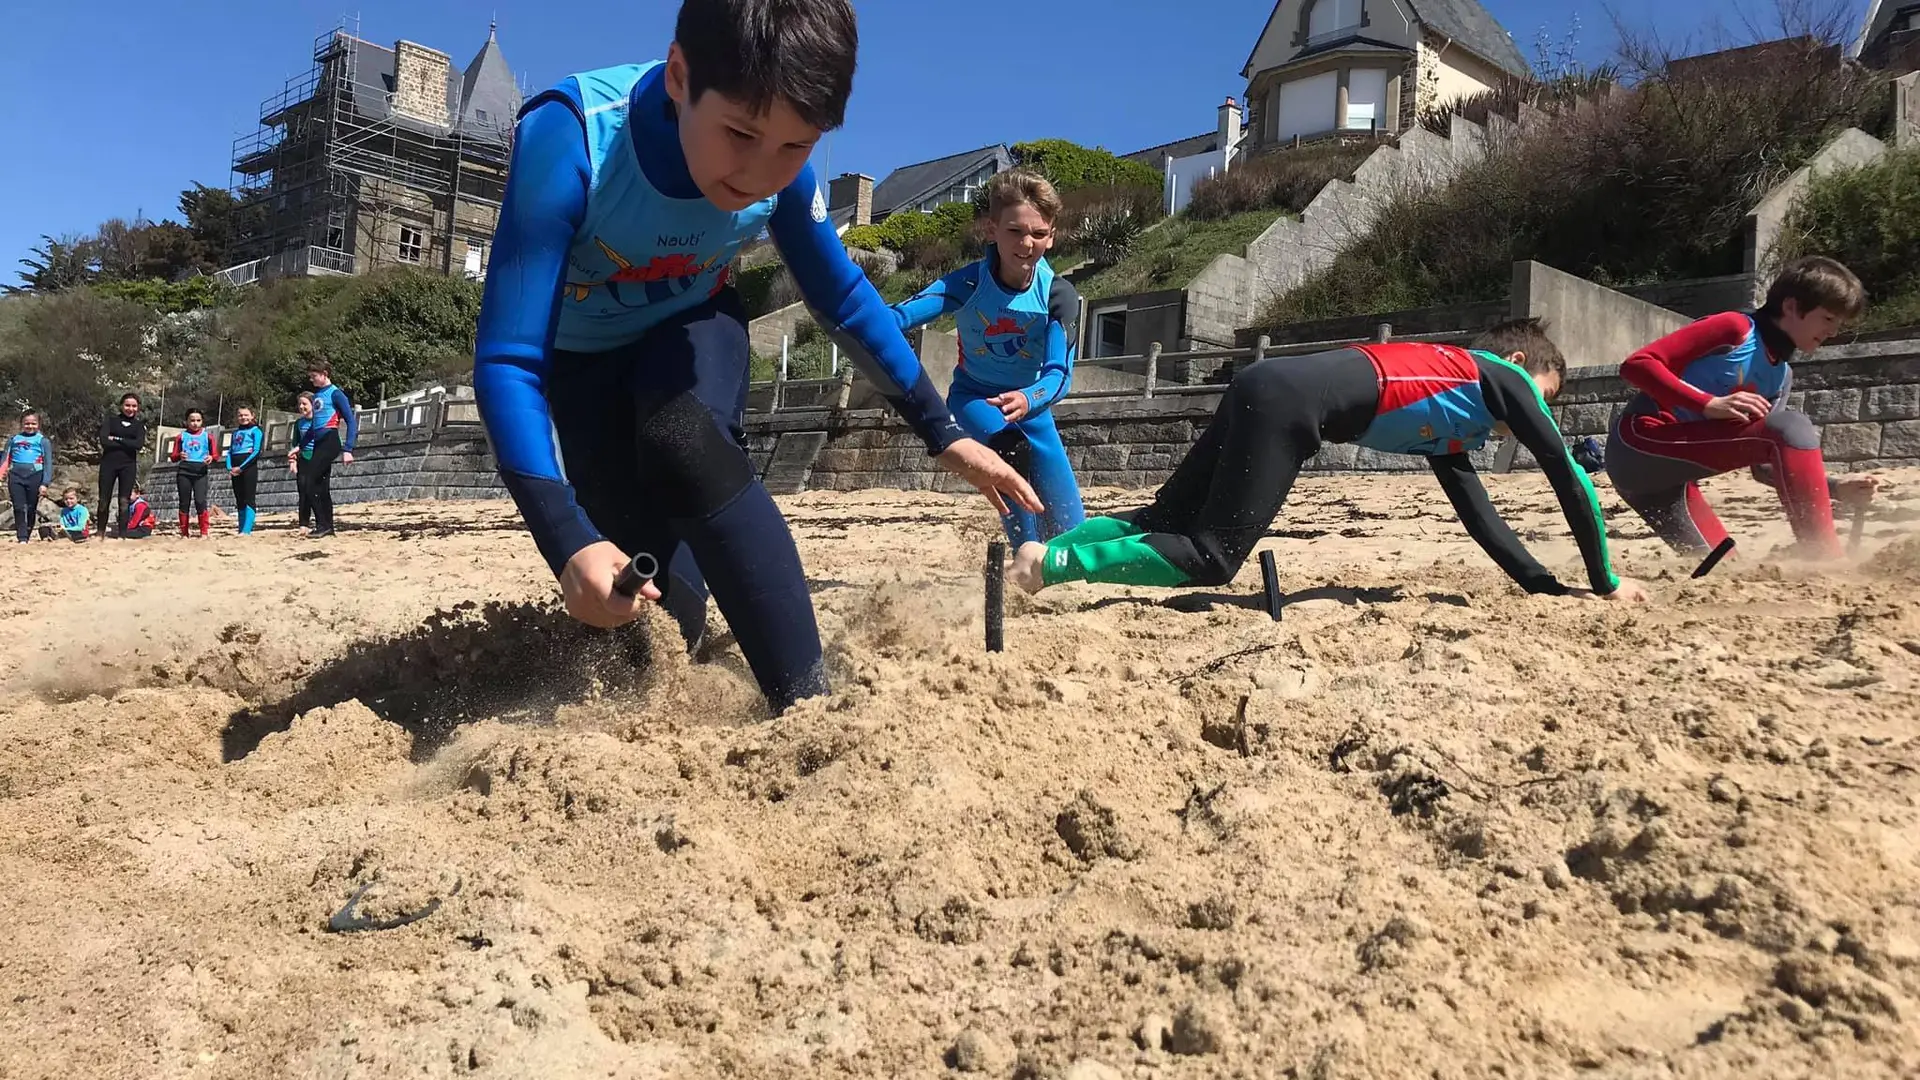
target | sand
x=1424, y=826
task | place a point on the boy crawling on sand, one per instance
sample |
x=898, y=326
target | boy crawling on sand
x=609, y=323
x=1713, y=400
x=1434, y=401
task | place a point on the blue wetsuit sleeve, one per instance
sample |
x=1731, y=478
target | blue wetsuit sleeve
x=545, y=202
x=348, y=418
x=852, y=313
x=943, y=297
x=1063, y=335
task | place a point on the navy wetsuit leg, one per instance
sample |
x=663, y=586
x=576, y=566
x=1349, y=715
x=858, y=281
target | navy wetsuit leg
x=653, y=441
x=26, y=504
x=319, y=470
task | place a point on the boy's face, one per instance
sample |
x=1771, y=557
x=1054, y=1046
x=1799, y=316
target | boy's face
x=319, y=379
x=1808, y=329
x=737, y=158
x=194, y=422
x=1022, y=236
x=70, y=499
x=30, y=424
x=306, y=407
x=244, y=417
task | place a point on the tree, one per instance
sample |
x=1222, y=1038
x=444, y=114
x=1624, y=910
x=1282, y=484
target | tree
x=1071, y=166
x=218, y=223
x=60, y=264
x=71, y=351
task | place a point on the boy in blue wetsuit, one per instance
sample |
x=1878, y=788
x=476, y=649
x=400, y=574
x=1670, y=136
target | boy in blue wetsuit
x=607, y=321
x=1018, y=328
x=300, y=449
x=243, y=465
x=1435, y=401
x=194, y=453
x=29, y=473
x=73, y=516
x=335, y=426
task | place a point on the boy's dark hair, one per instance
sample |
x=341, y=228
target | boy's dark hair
x=320, y=367
x=35, y=413
x=191, y=413
x=139, y=489
x=1817, y=282
x=753, y=51
x=1527, y=336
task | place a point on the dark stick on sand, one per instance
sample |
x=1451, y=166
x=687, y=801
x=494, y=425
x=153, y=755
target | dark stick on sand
x=1713, y=558
x=641, y=569
x=1271, y=574
x=1859, y=529
x=996, y=596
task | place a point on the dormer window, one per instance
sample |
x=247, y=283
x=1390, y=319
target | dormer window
x=1329, y=20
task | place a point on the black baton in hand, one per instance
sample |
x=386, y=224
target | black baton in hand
x=641, y=569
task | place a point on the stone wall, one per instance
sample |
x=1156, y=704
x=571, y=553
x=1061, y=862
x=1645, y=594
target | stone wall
x=1866, y=398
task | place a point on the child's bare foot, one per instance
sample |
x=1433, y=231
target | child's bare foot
x=1023, y=569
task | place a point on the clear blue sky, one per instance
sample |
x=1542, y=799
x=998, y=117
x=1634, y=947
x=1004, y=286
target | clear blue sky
x=113, y=106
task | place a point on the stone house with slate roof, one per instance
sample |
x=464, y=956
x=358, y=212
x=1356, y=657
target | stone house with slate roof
x=853, y=199
x=1326, y=68
x=378, y=156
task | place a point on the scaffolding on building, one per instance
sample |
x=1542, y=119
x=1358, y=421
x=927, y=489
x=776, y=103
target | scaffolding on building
x=353, y=167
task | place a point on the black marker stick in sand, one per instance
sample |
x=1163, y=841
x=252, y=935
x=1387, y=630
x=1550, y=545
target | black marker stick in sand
x=1713, y=558
x=996, y=596
x=1859, y=529
x=641, y=569
x=1271, y=574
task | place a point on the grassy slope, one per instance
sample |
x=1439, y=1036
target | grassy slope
x=1170, y=256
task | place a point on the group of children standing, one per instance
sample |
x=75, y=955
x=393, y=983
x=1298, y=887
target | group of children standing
x=323, y=433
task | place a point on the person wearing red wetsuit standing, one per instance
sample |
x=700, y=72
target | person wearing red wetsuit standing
x=1713, y=399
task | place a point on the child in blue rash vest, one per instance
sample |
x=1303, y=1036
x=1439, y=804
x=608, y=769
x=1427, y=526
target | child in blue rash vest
x=73, y=516
x=29, y=473
x=1018, y=328
x=335, y=426
x=1433, y=401
x=608, y=321
x=194, y=452
x=243, y=465
x=299, y=449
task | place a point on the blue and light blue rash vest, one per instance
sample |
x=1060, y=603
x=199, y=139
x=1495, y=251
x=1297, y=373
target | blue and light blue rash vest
x=73, y=518
x=333, y=412
x=244, y=448
x=603, y=235
x=1745, y=366
x=1009, y=340
x=195, y=447
x=28, y=453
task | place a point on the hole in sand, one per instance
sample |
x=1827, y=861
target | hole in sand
x=504, y=661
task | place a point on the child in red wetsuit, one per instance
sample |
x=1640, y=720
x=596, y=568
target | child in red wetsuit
x=1713, y=399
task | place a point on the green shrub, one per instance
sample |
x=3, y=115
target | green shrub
x=1868, y=218
x=1071, y=166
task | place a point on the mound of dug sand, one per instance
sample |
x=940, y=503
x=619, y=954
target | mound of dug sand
x=1423, y=826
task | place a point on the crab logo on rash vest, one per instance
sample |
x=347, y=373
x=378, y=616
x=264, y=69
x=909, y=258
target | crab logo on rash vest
x=1005, y=337
x=636, y=285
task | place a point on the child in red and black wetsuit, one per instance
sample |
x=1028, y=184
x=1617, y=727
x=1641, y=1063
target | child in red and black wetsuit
x=1713, y=400
x=195, y=451
x=140, y=519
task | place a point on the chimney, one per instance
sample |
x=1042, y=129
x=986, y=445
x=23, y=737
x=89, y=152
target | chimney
x=1229, y=132
x=420, y=80
x=854, y=190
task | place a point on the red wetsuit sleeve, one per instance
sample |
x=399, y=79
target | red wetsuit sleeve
x=1656, y=368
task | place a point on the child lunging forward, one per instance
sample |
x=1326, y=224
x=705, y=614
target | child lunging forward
x=1713, y=400
x=1434, y=401
x=195, y=452
x=1018, y=326
x=73, y=516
